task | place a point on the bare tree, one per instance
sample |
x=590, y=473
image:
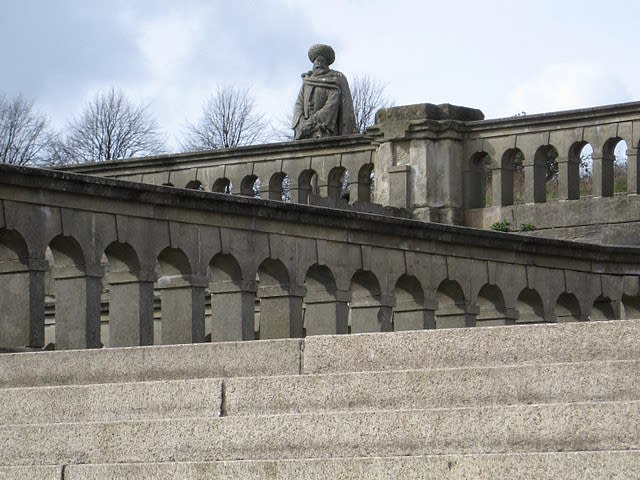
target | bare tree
x=111, y=127
x=368, y=97
x=228, y=120
x=23, y=132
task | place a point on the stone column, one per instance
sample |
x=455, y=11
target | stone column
x=529, y=183
x=568, y=178
x=78, y=296
x=598, y=174
x=22, y=304
x=497, y=187
x=232, y=311
x=183, y=304
x=130, y=311
x=325, y=315
x=632, y=171
x=280, y=312
x=372, y=316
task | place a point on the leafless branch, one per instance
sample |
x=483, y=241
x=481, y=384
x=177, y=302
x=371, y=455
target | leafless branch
x=23, y=135
x=368, y=97
x=228, y=120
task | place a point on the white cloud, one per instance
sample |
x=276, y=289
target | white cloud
x=567, y=86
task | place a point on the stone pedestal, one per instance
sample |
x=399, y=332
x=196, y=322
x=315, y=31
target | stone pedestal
x=232, y=311
x=77, y=309
x=280, y=314
x=130, y=313
x=327, y=316
x=183, y=304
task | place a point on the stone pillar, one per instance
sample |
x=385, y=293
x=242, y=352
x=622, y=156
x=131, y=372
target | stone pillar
x=325, y=315
x=598, y=174
x=130, y=311
x=497, y=187
x=22, y=304
x=529, y=183
x=232, y=311
x=399, y=186
x=372, y=316
x=568, y=178
x=632, y=171
x=280, y=312
x=78, y=298
x=183, y=304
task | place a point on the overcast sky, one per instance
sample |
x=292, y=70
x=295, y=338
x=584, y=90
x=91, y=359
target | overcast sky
x=503, y=57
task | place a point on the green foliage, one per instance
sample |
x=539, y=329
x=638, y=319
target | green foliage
x=505, y=226
x=502, y=226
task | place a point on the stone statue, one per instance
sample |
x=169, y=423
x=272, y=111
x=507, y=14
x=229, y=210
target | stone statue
x=324, y=107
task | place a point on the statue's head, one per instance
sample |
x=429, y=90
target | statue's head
x=321, y=56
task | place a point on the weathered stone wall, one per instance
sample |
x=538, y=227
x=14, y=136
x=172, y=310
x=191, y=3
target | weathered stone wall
x=271, y=270
x=443, y=164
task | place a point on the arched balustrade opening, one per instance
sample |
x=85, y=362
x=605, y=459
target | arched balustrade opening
x=530, y=307
x=325, y=312
x=307, y=185
x=182, y=300
x=478, y=181
x=491, y=307
x=604, y=309
x=194, y=185
x=250, y=186
x=280, y=312
x=279, y=187
x=409, y=312
x=546, y=174
x=567, y=308
x=365, y=183
x=365, y=312
x=130, y=299
x=338, y=184
x=222, y=185
x=513, y=178
x=451, y=312
x=232, y=301
x=614, y=167
x=583, y=158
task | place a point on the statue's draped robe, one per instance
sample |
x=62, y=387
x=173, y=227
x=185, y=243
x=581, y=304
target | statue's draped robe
x=326, y=101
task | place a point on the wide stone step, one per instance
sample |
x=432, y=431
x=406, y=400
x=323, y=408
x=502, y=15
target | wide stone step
x=606, y=465
x=505, y=429
x=479, y=346
x=423, y=389
x=167, y=362
x=414, y=389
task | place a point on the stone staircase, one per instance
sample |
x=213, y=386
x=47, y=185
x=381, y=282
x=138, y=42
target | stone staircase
x=557, y=401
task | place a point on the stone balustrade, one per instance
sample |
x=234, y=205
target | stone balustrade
x=269, y=270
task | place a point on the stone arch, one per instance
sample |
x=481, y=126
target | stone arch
x=409, y=312
x=607, y=166
x=182, y=300
x=324, y=312
x=307, y=185
x=365, y=183
x=250, y=186
x=280, y=311
x=130, y=311
x=222, y=185
x=530, y=307
x=580, y=170
x=513, y=179
x=450, y=312
x=478, y=181
x=545, y=174
x=631, y=306
x=21, y=310
x=365, y=310
x=338, y=184
x=232, y=300
x=279, y=187
x=604, y=309
x=194, y=185
x=491, y=307
x=567, y=308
